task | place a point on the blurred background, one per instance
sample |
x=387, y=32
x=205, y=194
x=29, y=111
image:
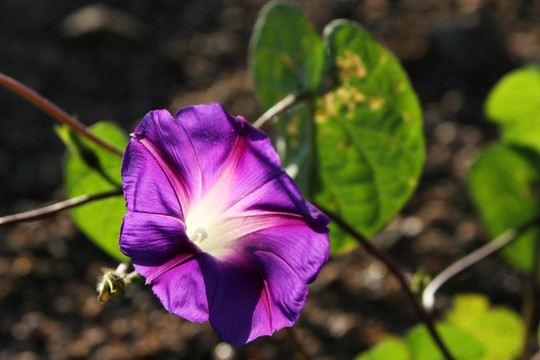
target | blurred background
x=116, y=60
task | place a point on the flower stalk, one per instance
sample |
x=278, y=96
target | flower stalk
x=283, y=105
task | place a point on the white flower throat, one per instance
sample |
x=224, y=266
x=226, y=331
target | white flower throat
x=198, y=235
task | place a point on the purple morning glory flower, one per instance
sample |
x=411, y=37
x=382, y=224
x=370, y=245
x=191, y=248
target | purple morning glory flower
x=215, y=226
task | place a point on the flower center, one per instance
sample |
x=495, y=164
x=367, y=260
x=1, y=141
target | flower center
x=198, y=236
x=206, y=231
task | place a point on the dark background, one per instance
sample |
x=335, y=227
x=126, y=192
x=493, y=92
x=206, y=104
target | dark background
x=167, y=54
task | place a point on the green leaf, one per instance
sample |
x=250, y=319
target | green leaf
x=369, y=140
x=287, y=57
x=92, y=170
x=514, y=103
x=286, y=54
x=460, y=343
x=500, y=330
x=294, y=145
x=504, y=186
x=390, y=348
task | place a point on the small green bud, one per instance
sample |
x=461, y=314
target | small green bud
x=110, y=286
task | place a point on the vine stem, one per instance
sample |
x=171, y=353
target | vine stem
x=55, y=208
x=283, y=105
x=54, y=111
x=394, y=269
x=291, y=334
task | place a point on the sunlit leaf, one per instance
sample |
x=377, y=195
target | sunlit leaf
x=499, y=329
x=460, y=343
x=514, y=103
x=91, y=170
x=504, y=186
x=390, y=348
x=286, y=54
x=369, y=141
x=294, y=144
x=287, y=57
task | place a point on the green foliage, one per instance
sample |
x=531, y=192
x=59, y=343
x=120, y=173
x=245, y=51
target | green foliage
x=91, y=170
x=357, y=148
x=503, y=183
x=514, y=103
x=460, y=344
x=390, y=348
x=287, y=57
x=498, y=329
x=472, y=331
x=295, y=145
x=369, y=134
x=286, y=54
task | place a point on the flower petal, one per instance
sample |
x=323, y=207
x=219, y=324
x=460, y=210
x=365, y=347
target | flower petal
x=195, y=146
x=279, y=195
x=146, y=187
x=273, y=218
x=252, y=163
x=255, y=296
x=238, y=311
x=152, y=239
x=294, y=230
x=184, y=290
x=286, y=291
x=304, y=249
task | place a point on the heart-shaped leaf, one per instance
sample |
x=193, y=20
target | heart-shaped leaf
x=91, y=170
x=369, y=141
x=286, y=54
x=287, y=57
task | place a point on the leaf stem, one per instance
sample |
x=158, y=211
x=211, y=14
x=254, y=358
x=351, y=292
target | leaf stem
x=283, y=105
x=394, y=269
x=55, y=208
x=428, y=295
x=54, y=111
x=291, y=334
